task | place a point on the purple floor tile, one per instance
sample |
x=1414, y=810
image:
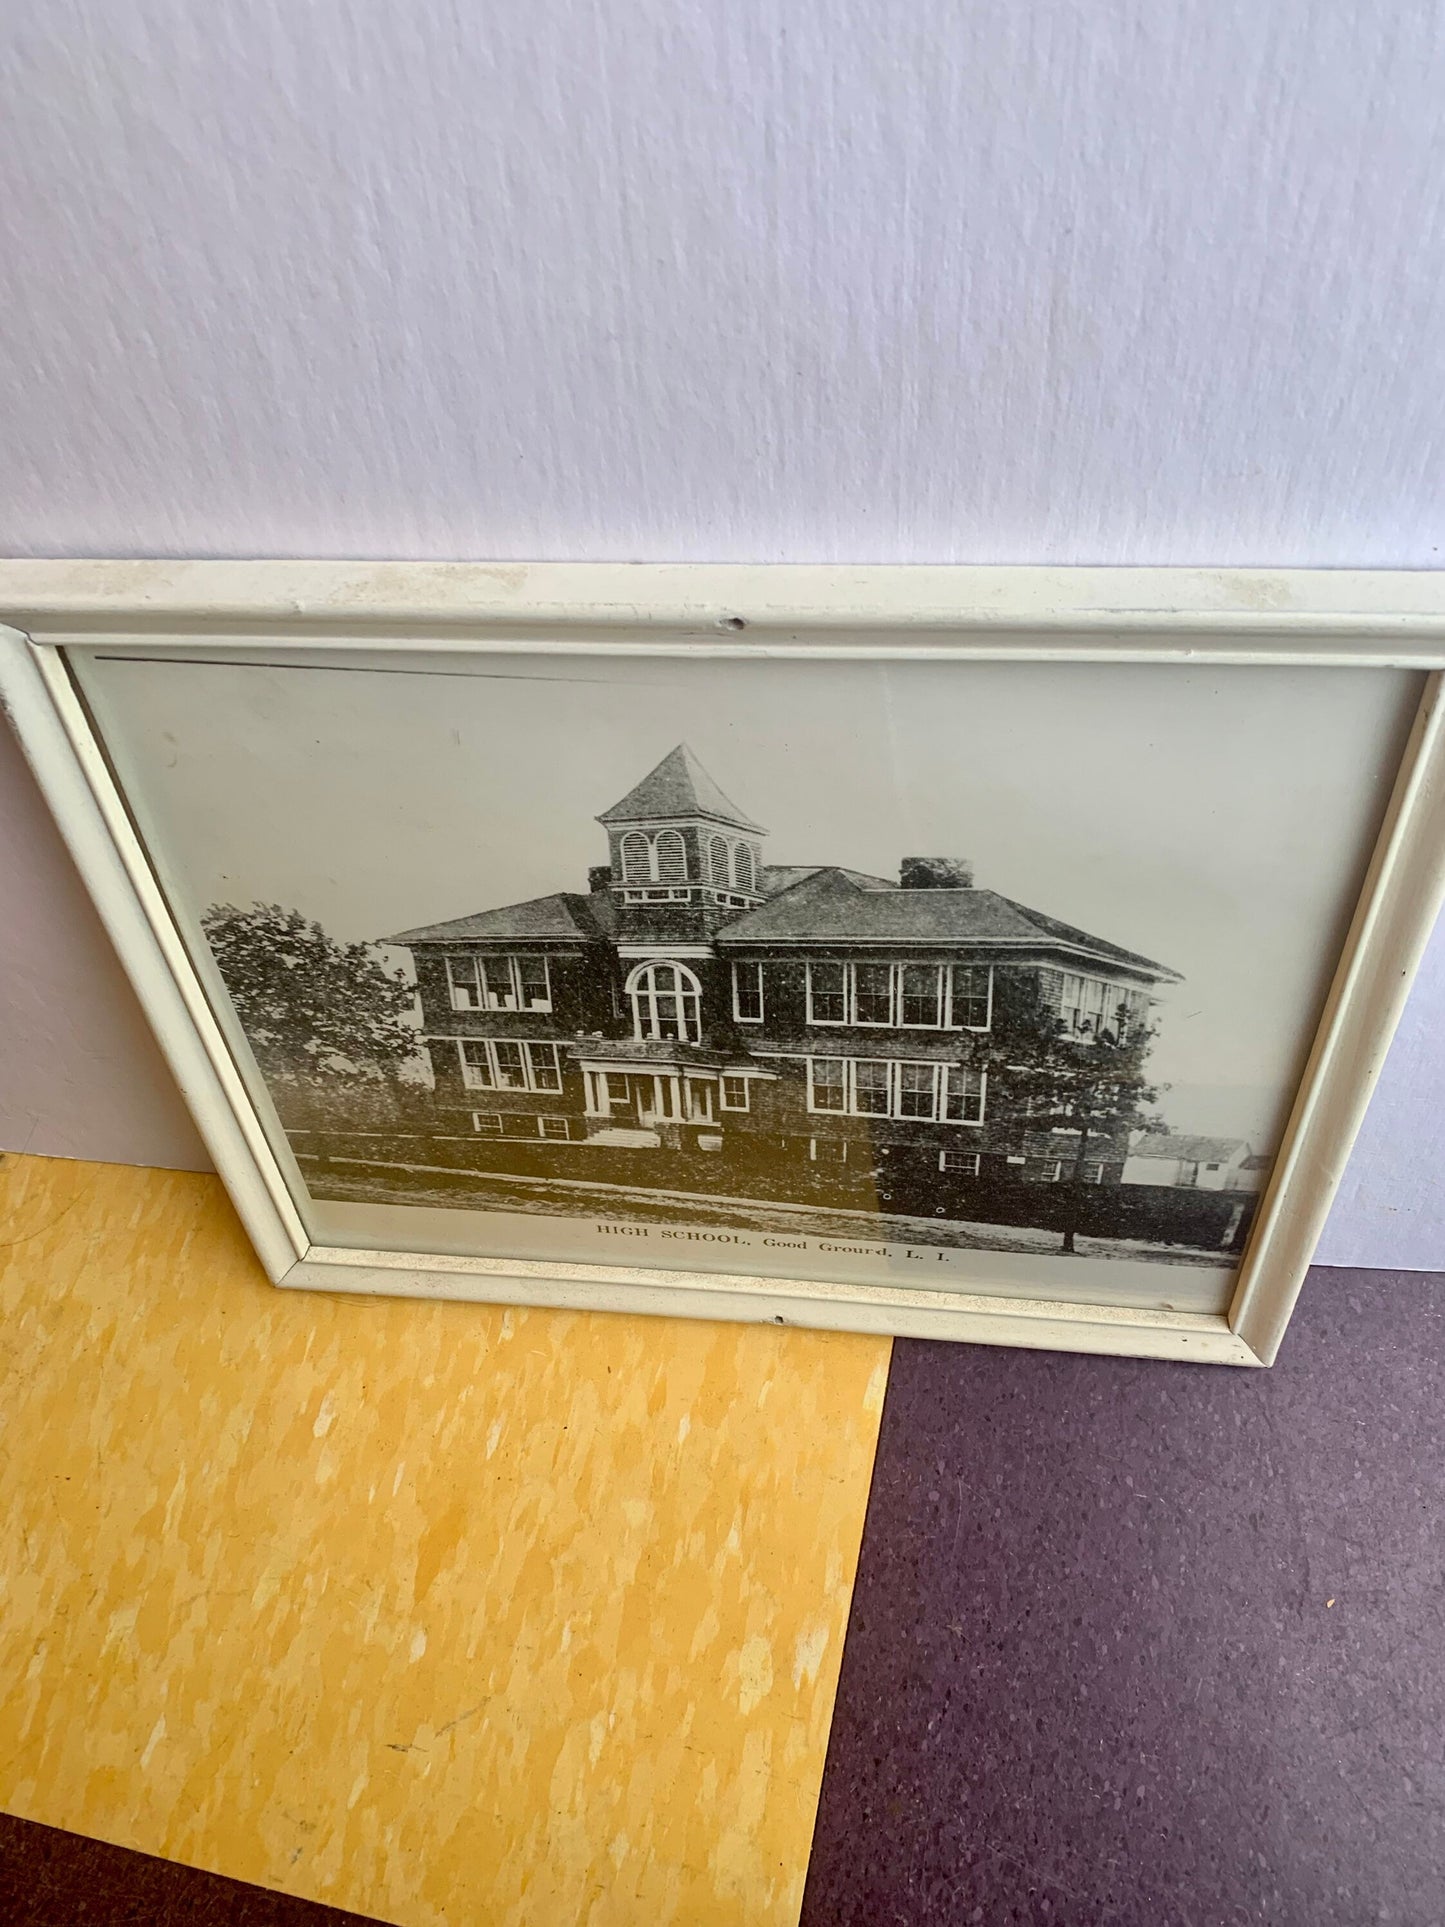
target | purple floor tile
x=1148, y=1644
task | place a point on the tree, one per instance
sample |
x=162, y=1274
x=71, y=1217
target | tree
x=310, y=1007
x=1092, y=1088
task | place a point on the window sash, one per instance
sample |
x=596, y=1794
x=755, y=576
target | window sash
x=899, y=1088
x=866, y=994
x=824, y=1087
x=920, y=996
x=874, y=985
x=824, y=999
x=734, y=1093
x=553, y=1127
x=667, y=1005
x=962, y=1163
x=507, y=1064
x=546, y=1071
x=917, y=1090
x=463, y=984
x=963, y=1094
x=971, y=996
x=872, y=1086
x=748, y=993
x=534, y=982
x=476, y=1064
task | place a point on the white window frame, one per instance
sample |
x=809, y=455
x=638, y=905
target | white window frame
x=953, y=1022
x=966, y=1164
x=733, y=1077
x=968, y=1122
x=943, y=977
x=938, y=1114
x=458, y=992
x=738, y=1016
x=485, y=1129
x=855, y=1109
x=850, y=1020
x=832, y=963
x=513, y=963
x=644, y=1002
x=529, y=1070
x=1102, y=1013
x=544, y=1118
x=855, y=1022
x=827, y=1110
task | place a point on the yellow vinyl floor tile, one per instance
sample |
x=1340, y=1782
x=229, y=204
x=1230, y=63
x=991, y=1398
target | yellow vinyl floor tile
x=445, y=1613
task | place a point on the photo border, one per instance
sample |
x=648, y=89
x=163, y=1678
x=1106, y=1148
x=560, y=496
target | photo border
x=1307, y=618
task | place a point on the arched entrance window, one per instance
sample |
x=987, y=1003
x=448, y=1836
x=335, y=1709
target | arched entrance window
x=671, y=857
x=666, y=1002
x=636, y=858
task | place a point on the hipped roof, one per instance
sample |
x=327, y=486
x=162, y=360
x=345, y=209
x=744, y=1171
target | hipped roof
x=679, y=786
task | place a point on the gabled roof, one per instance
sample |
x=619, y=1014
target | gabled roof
x=568, y=916
x=777, y=877
x=679, y=786
x=834, y=906
x=1189, y=1150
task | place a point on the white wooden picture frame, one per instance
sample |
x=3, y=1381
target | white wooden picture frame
x=57, y=614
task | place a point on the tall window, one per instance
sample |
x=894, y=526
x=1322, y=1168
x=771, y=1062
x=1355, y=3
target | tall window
x=465, y=986
x=972, y=996
x=901, y=996
x=916, y=1089
x=827, y=1084
x=748, y=993
x=717, y=859
x=671, y=857
x=1081, y=1005
x=666, y=1003
x=636, y=858
x=499, y=983
x=871, y=1081
x=501, y=1064
x=873, y=993
x=921, y=995
x=509, y=1068
x=827, y=993
x=963, y=1095
x=734, y=1093
x=894, y=1087
x=744, y=868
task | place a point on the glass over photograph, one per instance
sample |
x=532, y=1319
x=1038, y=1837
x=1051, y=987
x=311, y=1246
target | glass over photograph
x=986, y=977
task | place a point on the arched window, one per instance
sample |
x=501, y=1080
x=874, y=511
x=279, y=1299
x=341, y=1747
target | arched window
x=671, y=857
x=717, y=859
x=636, y=858
x=666, y=1002
x=743, y=867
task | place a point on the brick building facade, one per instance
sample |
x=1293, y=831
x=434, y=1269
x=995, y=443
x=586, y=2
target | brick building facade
x=698, y=998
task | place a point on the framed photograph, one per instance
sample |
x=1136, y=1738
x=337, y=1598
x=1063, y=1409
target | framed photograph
x=991, y=954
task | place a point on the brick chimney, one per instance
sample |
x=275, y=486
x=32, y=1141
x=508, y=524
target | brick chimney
x=935, y=873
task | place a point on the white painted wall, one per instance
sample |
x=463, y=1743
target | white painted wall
x=1131, y=281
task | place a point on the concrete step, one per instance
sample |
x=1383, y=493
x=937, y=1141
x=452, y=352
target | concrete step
x=619, y=1134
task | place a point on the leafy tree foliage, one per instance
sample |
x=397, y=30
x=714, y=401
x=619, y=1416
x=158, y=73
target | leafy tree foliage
x=1095, y=1089
x=310, y=1007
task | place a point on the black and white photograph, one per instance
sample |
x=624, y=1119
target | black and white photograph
x=986, y=976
